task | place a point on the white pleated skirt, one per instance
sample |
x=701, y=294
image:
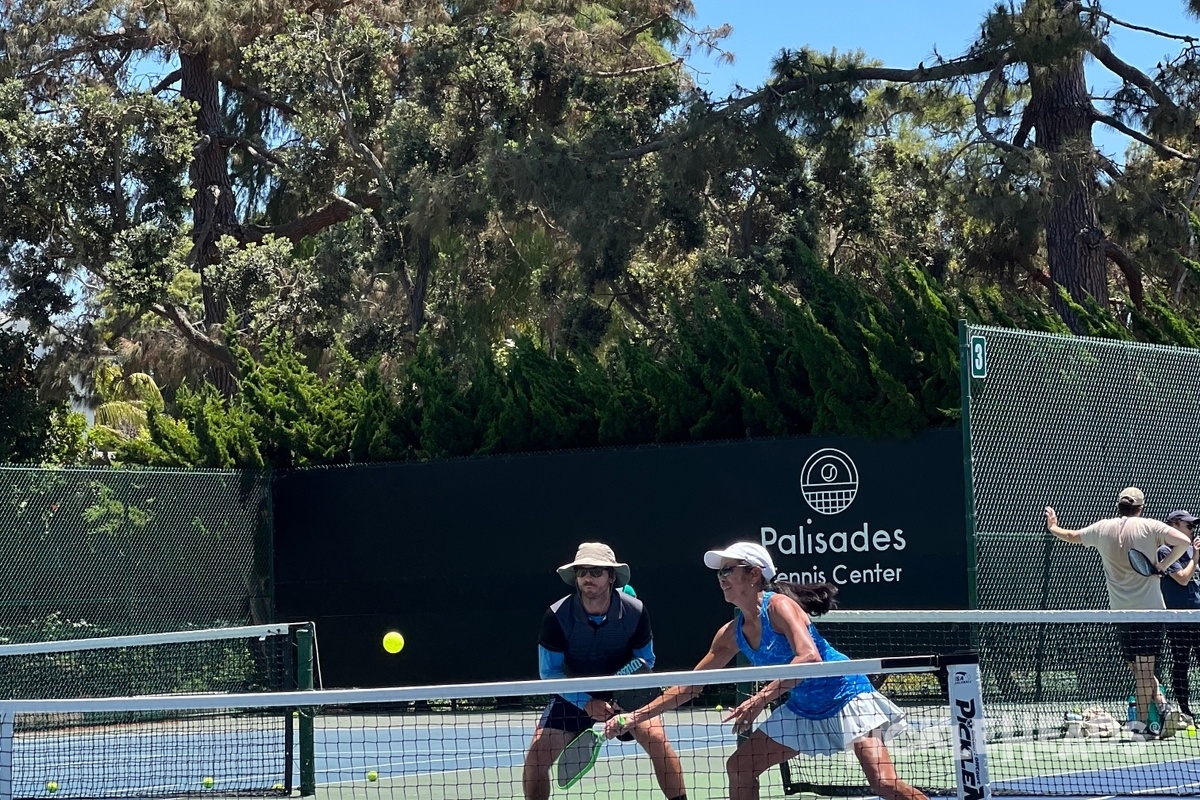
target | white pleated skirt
x=865, y=713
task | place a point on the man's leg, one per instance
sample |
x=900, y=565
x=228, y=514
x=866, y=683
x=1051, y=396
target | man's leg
x=653, y=738
x=547, y=745
x=1179, y=638
x=1147, y=687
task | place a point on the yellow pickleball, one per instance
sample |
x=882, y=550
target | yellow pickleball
x=393, y=642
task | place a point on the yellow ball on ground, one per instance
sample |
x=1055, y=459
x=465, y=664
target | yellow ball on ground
x=1191, y=730
x=372, y=776
x=393, y=642
x=51, y=786
x=278, y=787
x=720, y=707
x=207, y=782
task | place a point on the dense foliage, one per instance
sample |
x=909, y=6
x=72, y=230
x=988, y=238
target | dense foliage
x=279, y=233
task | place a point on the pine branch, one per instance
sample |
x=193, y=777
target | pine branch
x=1131, y=74
x=981, y=107
x=259, y=152
x=256, y=93
x=1095, y=10
x=625, y=73
x=167, y=80
x=340, y=210
x=347, y=121
x=1133, y=275
x=1164, y=150
x=633, y=33
x=196, y=337
x=772, y=92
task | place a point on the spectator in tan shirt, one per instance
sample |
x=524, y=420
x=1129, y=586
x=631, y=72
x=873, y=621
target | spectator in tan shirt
x=1129, y=591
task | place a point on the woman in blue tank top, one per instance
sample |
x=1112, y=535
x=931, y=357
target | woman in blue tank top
x=822, y=716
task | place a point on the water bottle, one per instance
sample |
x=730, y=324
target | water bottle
x=1131, y=714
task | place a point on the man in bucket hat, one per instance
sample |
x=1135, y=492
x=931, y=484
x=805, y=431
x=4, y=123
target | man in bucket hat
x=595, y=630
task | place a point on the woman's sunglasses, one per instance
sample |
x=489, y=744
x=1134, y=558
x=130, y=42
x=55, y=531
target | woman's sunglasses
x=724, y=572
x=595, y=572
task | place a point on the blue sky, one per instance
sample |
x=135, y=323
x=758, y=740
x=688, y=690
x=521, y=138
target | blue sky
x=902, y=33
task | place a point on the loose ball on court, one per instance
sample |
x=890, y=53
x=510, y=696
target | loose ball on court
x=207, y=783
x=372, y=776
x=51, y=786
x=393, y=642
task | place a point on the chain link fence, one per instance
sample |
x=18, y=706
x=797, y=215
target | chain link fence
x=1068, y=422
x=97, y=552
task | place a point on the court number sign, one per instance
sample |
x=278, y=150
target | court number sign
x=978, y=357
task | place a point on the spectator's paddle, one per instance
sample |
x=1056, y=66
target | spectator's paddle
x=1142, y=564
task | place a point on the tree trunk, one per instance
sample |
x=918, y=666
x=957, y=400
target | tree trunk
x=420, y=283
x=213, y=209
x=1063, y=120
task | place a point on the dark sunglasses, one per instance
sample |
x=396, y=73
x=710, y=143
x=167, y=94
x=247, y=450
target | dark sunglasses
x=724, y=572
x=595, y=572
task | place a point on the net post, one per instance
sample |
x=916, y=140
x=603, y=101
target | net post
x=964, y=375
x=966, y=711
x=6, y=754
x=307, y=741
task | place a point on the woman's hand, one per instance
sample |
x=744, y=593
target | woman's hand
x=620, y=724
x=744, y=715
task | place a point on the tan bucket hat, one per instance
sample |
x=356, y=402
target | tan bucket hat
x=595, y=554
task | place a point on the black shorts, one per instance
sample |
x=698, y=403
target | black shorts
x=563, y=716
x=1184, y=636
x=1138, y=641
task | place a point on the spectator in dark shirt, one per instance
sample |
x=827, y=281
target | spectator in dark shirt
x=1181, y=590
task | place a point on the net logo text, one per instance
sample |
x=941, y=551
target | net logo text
x=964, y=718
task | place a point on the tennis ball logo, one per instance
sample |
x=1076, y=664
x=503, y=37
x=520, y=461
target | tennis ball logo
x=829, y=481
x=393, y=642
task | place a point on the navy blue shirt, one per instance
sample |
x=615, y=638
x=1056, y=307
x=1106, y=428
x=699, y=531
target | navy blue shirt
x=1174, y=595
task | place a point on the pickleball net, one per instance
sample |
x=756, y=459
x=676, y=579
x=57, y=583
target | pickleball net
x=252, y=658
x=437, y=742
x=1057, y=694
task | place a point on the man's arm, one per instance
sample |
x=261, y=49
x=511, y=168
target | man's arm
x=550, y=665
x=1178, y=572
x=1178, y=544
x=1060, y=533
x=552, y=656
x=643, y=640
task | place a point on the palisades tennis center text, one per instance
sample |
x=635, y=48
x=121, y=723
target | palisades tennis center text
x=809, y=543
